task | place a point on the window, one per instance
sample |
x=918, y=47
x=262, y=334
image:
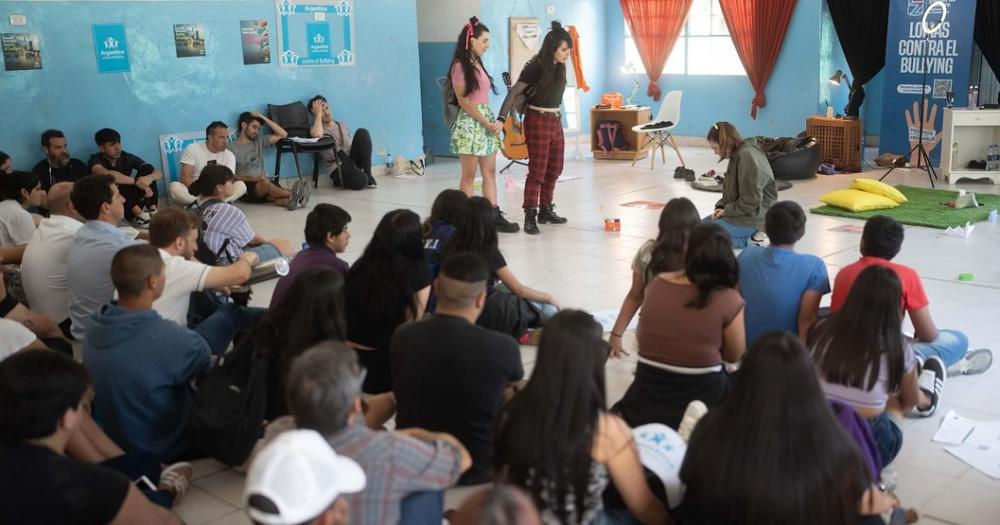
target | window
x=703, y=48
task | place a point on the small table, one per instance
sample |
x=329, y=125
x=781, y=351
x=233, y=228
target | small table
x=629, y=117
x=839, y=139
x=966, y=136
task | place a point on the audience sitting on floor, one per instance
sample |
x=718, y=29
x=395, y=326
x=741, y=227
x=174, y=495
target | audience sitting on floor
x=406, y=470
x=327, y=234
x=15, y=337
x=353, y=155
x=748, y=189
x=6, y=164
x=136, y=178
x=511, y=307
x=227, y=232
x=450, y=375
x=438, y=227
x=57, y=166
x=690, y=328
x=41, y=326
x=299, y=480
x=189, y=297
x=864, y=361
x=96, y=199
x=143, y=364
x=20, y=192
x=556, y=440
x=44, y=266
x=248, y=148
x=814, y=473
x=386, y=287
x=782, y=288
x=43, y=403
x=197, y=156
x=881, y=241
x=500, y=504
x=663, y=254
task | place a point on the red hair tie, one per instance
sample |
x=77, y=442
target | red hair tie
x=468, y=34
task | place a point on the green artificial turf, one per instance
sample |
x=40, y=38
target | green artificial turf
x=924, y=209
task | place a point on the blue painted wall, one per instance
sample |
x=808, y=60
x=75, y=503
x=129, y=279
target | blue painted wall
x=434, y=60
x=167, y=94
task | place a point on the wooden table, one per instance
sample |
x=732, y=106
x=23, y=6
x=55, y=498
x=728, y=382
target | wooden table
x=839, y=140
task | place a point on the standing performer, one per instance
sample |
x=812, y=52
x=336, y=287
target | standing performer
x=475, y=136
x=538, y=94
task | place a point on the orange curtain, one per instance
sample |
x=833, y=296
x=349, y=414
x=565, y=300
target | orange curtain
x=758, y=29
x=655, y=26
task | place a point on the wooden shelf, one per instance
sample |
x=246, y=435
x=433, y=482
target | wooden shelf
x=628, y=118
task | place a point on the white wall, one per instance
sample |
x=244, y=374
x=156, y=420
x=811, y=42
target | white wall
x=440, y=20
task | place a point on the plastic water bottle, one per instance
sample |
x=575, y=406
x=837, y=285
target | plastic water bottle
x=954, y=154
x=989, y=158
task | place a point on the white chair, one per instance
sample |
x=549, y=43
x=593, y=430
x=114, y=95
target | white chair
x=656, y=139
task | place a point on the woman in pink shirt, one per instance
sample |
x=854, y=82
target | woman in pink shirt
x=475, y=136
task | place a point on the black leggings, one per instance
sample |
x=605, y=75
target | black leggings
x=356, y=166
x=136, y=197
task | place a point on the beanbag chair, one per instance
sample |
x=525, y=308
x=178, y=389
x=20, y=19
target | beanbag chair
x=791, y=158
x=878, y=188
x=857, y=200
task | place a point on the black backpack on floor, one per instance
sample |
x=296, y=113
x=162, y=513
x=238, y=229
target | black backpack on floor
x=230, y=405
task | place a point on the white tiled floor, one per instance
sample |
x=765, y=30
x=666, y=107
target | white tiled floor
x=584, y=267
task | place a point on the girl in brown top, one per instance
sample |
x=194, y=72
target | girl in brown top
x=691, y=321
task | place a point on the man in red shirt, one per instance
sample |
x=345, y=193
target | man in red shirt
x=880, y=242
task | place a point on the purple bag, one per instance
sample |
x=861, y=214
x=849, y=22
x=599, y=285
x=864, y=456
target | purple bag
x=858, y=429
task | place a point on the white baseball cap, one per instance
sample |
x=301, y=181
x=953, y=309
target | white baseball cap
x=302, y=475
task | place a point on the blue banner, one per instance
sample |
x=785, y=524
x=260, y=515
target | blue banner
x=318, y=34
x=945, y=54
x=111, y=48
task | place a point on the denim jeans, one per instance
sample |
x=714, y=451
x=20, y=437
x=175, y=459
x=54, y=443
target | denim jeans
x=740, y=235
x=888, y=437
x=225, y=322
x=422, y=508
x=950, y=346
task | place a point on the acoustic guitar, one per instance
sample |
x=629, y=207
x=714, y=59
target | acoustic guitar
x=515, y=144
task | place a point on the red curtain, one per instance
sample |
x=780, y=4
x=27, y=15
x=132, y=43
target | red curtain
x=758, y=29
x=655, y=26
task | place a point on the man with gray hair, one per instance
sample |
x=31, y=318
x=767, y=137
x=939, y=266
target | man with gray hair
x=324, y=394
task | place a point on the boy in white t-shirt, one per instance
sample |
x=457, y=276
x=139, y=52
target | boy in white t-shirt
x=201, y=154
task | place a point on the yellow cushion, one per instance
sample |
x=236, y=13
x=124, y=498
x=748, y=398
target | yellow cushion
x=856, y=200
x=878, y=188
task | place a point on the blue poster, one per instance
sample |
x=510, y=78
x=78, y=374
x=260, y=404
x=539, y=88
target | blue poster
x=945, y=54
x=318, y=35
x=111, y=48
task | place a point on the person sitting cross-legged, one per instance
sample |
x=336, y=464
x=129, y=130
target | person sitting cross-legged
x=135, y=177
x=782, y=288
x=143, y=364
x=448, y=374
x=406, y=469
x=248, y=148
x=881, y=241
x=43, y=398
x=197, y=156
x=327, y=234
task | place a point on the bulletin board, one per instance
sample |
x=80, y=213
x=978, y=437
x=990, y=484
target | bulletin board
x=315, y=33
x=524, y=42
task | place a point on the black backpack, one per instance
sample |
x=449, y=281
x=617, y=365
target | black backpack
x=230, y=405
x=202, y=252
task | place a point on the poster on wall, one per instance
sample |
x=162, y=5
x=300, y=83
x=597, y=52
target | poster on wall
x=315, y=33
x=256, y=42
x=945, y=54
x=111, y=48
x=21, y=51
x=189, y=39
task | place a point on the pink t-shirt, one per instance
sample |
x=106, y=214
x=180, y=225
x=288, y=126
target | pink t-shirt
x=479, y=96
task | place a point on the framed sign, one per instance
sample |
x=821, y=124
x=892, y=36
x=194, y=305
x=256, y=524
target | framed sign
x=315, y=33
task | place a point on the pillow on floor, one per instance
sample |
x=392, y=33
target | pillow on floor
x=878, y=188
x=856, y=200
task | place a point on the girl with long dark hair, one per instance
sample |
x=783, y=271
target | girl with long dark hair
x=774, y=452
x=663, y=254
x=475, y=136
x=556, y=439
x=537, y=95
x=386, y=287
x=690, y=326
x=438, y=227
x=864, y=361
x=19, y=192
x=748, y=190
x=511, y=307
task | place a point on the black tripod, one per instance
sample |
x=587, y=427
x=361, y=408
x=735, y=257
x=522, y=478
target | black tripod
x=923, y=160
x=511, y=163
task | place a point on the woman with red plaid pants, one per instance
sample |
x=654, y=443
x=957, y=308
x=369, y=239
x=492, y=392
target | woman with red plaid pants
x=537, y=95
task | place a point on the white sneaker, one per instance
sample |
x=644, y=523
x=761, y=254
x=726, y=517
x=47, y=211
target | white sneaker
x=759, y=238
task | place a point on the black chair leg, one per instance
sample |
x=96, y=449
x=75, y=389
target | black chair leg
x=277, y=164
x=316, y=170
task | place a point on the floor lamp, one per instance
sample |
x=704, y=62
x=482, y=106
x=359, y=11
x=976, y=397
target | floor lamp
x=927, y=27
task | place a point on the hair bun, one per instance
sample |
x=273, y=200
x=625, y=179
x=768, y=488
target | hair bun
x=474, y=21
x=556, y=25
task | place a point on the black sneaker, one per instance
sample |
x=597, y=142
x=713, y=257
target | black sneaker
x=371, y=181
x=931, y=381
x=505, y=226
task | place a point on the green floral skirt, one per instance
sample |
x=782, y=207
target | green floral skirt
x=469, y=137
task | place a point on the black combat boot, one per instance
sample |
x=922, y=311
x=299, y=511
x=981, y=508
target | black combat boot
x=505, y=226
x=531, y=221
x=547, y=215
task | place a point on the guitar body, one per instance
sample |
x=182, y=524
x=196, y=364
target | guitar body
x=515, y=144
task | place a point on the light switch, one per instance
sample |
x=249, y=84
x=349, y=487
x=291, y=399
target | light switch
x=550, y=9
x=18, y=20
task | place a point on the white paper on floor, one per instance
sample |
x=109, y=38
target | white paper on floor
x=977, y=443
x=607, y=319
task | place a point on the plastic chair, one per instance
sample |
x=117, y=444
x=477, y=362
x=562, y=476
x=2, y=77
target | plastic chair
x=657, y=139
x=295, y=119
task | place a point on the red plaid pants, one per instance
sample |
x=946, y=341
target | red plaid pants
x=544, y=134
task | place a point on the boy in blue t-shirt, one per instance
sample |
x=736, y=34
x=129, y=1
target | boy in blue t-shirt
x=782, y=288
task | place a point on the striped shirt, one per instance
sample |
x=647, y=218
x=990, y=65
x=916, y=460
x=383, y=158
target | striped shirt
x=225, y=221
x=396, y=466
